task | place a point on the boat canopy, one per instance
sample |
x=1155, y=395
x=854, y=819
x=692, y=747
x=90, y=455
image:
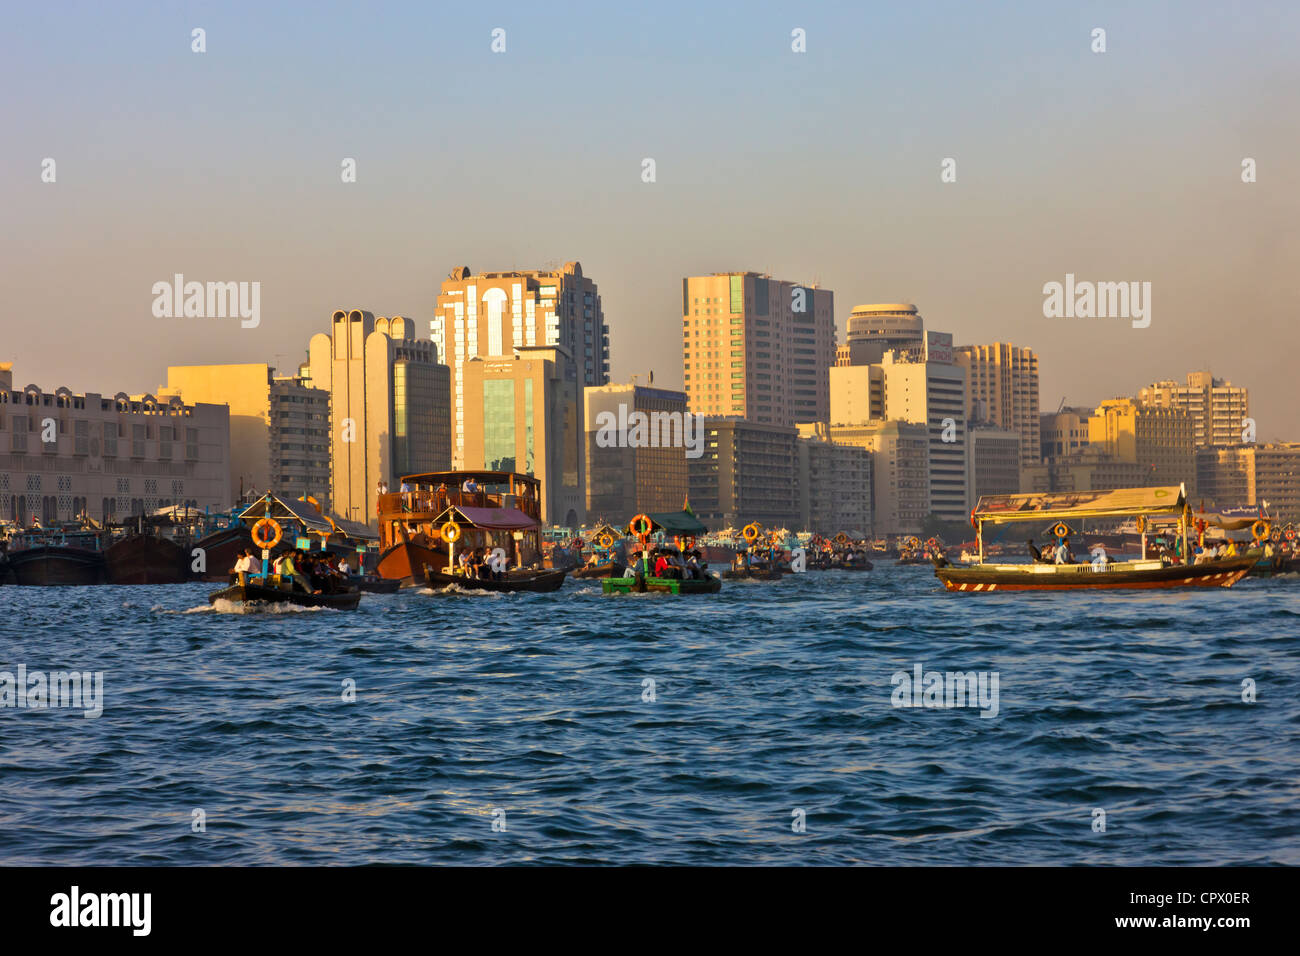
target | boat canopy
x=1005, y=509
x=282, y=509
x=454, y=479
x=1229, y=519
x=673, y=522
x=604, y=528
x=489, y=519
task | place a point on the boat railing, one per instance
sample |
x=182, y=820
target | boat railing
x=423, y=504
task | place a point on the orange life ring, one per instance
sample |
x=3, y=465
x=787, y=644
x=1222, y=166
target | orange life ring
x=606, y=541
x=1259, y=530
x=688, y=542
x=1060, y=530
x=750, y=532
x=641, y=525
x=1142, y=524
x=266, y=544
x=1290, y=534
x=450, y=532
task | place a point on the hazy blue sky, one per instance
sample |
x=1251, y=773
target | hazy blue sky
x=816, y=166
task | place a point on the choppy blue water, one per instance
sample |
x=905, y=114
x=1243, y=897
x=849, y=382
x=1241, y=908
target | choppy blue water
x=768, y=699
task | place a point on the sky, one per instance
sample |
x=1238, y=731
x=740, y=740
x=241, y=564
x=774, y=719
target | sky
x=821, y=165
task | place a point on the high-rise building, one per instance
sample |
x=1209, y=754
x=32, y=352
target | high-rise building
x=279, y=427
x=933, y=394
x=1157, y=439
x=493, y=314
x=993, y=461
x=857, y=394
x=757, y=347
x=524, y=414
x=389, y=406
x=63, y=455
x=1264, y=476
x=900, y=472
x=1217, y=408
x=643, y=475
x=1002, y=390
x=872, y=330
x=834, y=483
x=748, y=472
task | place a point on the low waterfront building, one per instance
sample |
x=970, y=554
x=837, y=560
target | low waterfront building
x=1265, y=476
x=108, y=457
x=279, y=427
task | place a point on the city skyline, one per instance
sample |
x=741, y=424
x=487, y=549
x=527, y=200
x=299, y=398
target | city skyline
x=227, y=168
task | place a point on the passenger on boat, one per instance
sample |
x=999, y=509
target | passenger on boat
x=244, y=563
x=693, y=565
x=1035, y=555
x=343, y=567
x=464, y=562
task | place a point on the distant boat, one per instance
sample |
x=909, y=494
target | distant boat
x=1145, y=504
x=54, y=557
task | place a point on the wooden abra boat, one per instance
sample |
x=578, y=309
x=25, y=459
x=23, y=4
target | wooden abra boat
x=276, y=590
x=411, y=522
x=1099, y=572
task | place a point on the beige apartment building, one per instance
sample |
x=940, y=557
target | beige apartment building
x=1218, y=409
x=1002, y=390
x=636, y=476
x=1251, y=474
x=757, y=347
x=1159, y=440
x=1063, y=432
x=279, y=427
x=524, y=414
x=494, y=314
x=900, y=472
x=993, y=461
x=748, y=472
x=64, y=454
x=389, y=406
x=834, y=483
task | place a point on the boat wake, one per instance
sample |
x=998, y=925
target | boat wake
x=222, y=606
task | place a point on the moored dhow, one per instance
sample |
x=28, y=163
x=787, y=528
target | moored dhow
x=1096, y=571
x=55, y=557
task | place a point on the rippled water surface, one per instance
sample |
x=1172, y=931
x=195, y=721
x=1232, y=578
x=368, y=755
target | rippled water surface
x=768, y=699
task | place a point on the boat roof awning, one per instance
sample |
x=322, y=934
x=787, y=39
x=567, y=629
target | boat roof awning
x=489, y=519
x=673, y=522
x=1005, y=509
x=287, y=509
x=604, y=528
x=1229, y=519
x=354, y=529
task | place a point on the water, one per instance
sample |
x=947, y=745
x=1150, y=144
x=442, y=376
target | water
x=769, y=698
